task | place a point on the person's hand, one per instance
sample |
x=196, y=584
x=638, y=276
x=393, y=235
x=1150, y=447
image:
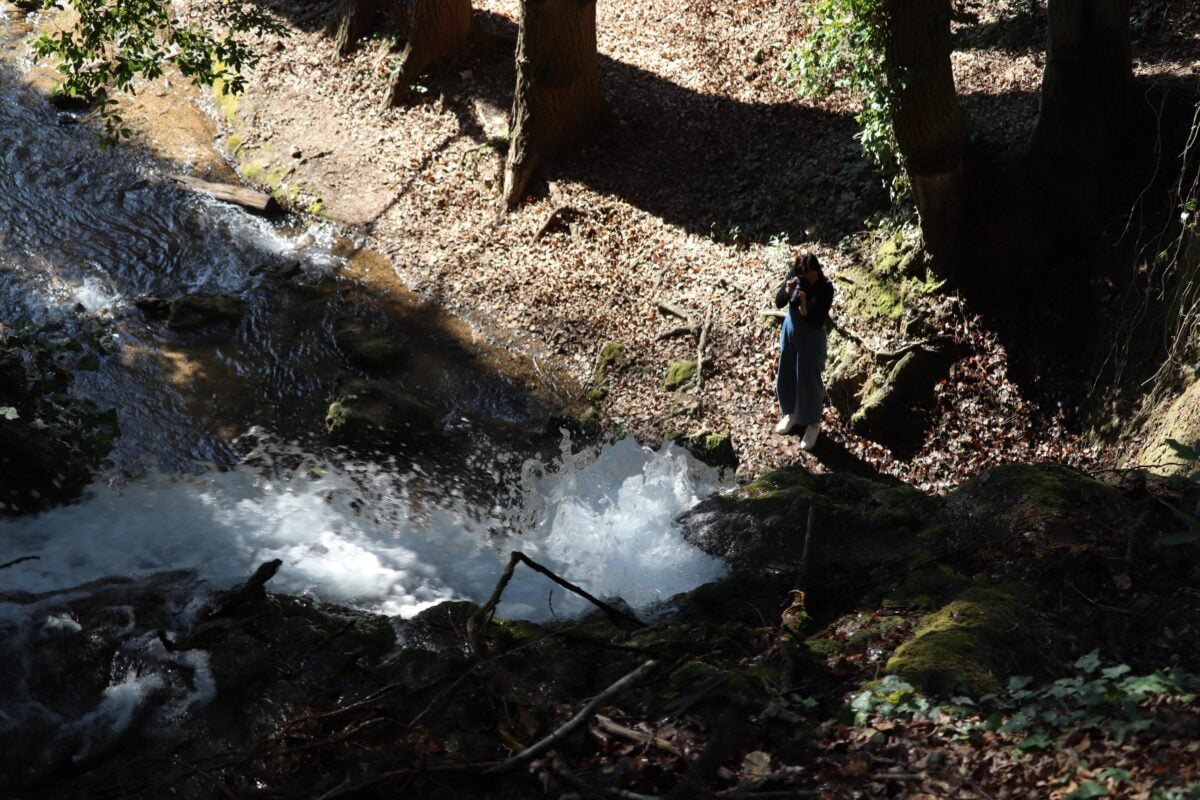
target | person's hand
x=791, y=284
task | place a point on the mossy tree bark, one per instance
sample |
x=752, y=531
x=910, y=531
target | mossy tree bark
x=928, y=121
x=558, y=91
x=437, y=29
x=1086, y=84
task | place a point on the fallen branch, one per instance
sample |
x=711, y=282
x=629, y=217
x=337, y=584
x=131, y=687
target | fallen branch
x=686, y=409
x=16, y=561
x=674, y=311
x=700, y=348
x=564, y=730
x=484, y=614
x=608, y=726
x=680, y=331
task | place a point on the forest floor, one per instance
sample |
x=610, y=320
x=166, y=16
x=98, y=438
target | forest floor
x=707, y=153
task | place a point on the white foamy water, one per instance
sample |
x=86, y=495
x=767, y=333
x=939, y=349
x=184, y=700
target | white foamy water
x=365, y=537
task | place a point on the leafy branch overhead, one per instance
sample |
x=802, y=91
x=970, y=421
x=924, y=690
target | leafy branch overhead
x=115, y=43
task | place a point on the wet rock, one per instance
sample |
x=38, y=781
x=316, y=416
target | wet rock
x=367, y=412
x=714, y=449
x=858, y=521
x=51, y=443
x=367, y=349
x=204, y=310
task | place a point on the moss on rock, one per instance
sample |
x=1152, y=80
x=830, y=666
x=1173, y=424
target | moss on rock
x=971, y=644
x=1048, y=500
x=929, y=584
x=679, y=374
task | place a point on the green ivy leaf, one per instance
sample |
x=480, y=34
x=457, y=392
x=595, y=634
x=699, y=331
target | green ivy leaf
x=1087, y=789
x=1090, y=662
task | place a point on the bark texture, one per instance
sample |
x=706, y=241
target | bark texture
x=436, y=29
x=558, y=91
x=356, y=18
x=929, y=123
x=1086, y=83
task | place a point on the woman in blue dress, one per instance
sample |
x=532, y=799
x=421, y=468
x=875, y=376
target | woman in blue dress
x=808, y=294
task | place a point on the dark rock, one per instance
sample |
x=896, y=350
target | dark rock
x=886, y=415
x=204, y=310
x=366, y=412
x=366, y=348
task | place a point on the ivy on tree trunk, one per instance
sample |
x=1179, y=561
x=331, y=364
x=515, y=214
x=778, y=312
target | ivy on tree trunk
x=557, y=97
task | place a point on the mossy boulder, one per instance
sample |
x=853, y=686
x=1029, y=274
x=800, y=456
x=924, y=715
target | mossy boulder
x=679, y=374
x=611, y=355
x=886, y=415
x=850, y=367
x=972, y=644
x=858, y=522
x=927, y=584
x=204, y=310
x=714, y=449
x=1011, y=504
x=368, y=412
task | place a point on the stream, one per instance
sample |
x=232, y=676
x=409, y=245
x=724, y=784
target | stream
x=221, y=463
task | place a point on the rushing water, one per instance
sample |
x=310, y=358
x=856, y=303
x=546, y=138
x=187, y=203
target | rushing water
x=84, y=232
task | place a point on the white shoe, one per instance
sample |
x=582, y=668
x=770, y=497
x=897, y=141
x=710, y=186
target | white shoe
x=785, y=424
x=810, y=437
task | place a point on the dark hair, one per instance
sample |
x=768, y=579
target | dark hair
x=807, y=261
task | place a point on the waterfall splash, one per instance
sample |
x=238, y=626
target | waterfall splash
x=362, y=535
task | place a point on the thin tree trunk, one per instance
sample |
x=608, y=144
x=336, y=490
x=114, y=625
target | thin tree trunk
x=1086, y=84
x=558, y=91
x=929, y=123
x=436, y=29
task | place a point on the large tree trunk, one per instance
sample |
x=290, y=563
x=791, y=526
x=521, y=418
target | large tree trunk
x=436, y=29
x=356, y=18
x=929, y=124
x=1086, y=84
x=558, y=91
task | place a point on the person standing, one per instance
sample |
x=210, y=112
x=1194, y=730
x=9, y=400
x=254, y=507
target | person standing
x=808, y=294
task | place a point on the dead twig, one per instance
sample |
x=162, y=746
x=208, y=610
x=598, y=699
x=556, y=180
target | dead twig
x=564, y=730
x=686, y=409
x=609, y=726
x=484, y=615
x=700, y=347
x=680, y=331
x=674, y=311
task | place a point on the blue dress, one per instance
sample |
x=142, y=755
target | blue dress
x=802, y=352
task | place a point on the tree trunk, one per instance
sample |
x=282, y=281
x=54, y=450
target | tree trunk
x=436, y=29
x=558, y=92
x=1086, y=84
x=929, y=124
x=355, y=19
